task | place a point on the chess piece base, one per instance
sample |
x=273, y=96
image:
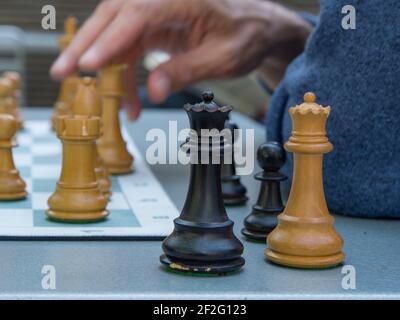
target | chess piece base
x=77, y=217
x=77, y=205
x=317, y=262
x=118, y=160
x=119, y=170
x=196, y=267
x=260, y=223
x=13, y=196
x=255, y=235
x=12, y=187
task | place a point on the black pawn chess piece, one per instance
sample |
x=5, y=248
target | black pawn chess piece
x=263, y=218
x=203, y=240
x=233, y=192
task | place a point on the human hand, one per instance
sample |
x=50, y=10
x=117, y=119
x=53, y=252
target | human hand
x=207, y=39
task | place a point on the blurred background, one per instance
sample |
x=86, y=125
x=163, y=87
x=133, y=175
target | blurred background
x=27, y=48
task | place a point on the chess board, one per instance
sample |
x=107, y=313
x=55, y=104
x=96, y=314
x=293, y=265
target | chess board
x=139, y=208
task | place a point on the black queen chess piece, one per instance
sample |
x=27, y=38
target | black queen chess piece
x=203, y=241
x=263, y=219
x=233, y=191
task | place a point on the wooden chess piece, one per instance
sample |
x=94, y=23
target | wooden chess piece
x=69, y=85
x=6, y=103
x=203, y=239
x=111, y=145
x=88, y=103
x=305, y=236
x=15, y=79
x=12, y=187
x=78, y=197
x=233, y=191
x=263, y=218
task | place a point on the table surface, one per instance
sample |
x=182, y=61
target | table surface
x=131, y=269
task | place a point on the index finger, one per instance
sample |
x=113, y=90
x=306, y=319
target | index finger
x=67, y=62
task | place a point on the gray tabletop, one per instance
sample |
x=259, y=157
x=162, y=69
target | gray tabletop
x=131, y=269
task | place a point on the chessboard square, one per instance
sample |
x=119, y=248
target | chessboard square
x=50, y=139
x=46, y=149
x=118, y=202
x=22, y=159
x=47, y=159
x=44, y=185
x=28, y=182
x=116, y=219
x=17, y=204
x=39, y=200
x=46, y=171
x=16, y=218
x=22, y=150
x=25, y=172
x=24, y=139
x=116, y=187
x=38, y=128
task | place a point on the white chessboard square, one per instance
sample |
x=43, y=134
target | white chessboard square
x=16, y=217
x=48, y=171
x=28, y=182
x=39, y=200
x=22, y=159
x=118, y=202
x=38, y=128
x=24, y=140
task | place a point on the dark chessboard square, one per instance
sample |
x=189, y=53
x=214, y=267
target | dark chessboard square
x=44, y=185
x=22, y=149
x=47, y=139
x=25, y=172
x=47, y=159
x=115, y=184
x=17, y=204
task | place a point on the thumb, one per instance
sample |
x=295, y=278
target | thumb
x=180, y=71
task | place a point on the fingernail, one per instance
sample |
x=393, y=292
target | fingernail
x=163, y=85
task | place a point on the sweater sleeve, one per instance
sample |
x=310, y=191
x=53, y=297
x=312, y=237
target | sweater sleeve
x=312, y=20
